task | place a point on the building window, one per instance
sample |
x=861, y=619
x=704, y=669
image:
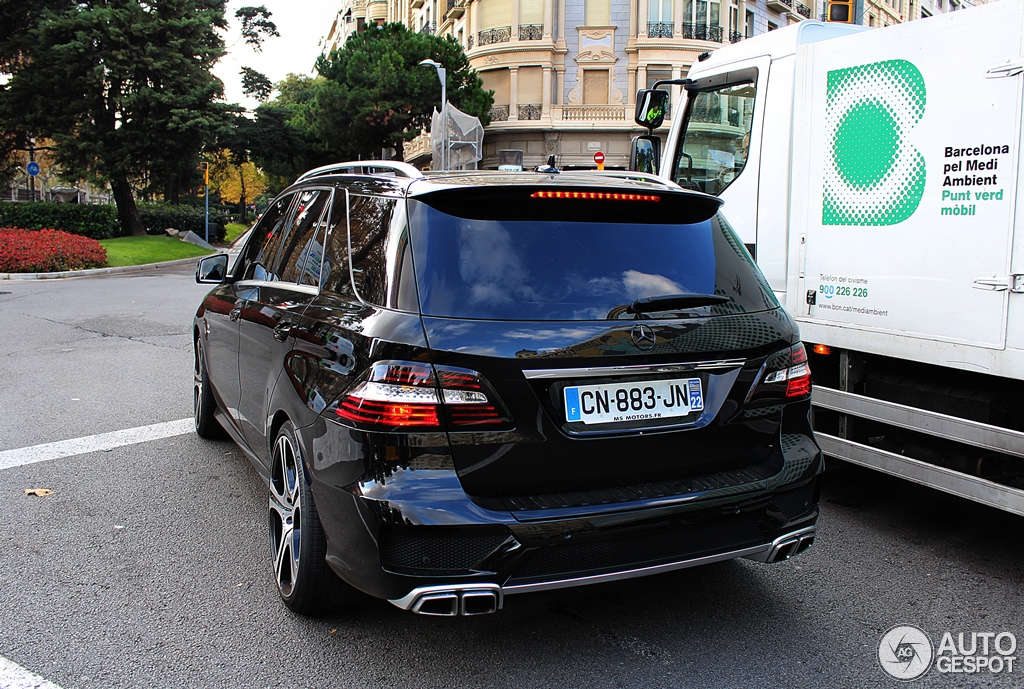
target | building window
x=772, y=27
x=750, y=24
x=597, y=13
x=595, y=87
x=660, y=11
x=702, y=12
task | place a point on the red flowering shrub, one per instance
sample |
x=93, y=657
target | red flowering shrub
x=45, y=251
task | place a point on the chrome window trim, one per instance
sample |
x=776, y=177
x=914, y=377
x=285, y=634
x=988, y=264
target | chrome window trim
x=616, y=371
x=278, y=284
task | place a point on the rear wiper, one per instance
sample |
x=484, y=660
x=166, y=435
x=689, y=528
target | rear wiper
x=670, y=302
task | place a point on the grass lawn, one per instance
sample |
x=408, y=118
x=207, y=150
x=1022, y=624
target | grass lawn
x=234, y=230
x=135, y=251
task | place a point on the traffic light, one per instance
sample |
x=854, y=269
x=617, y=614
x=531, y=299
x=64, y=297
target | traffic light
x=841, y=11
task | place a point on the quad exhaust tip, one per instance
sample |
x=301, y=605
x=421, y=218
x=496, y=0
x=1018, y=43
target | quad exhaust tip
x=452, y=601
x=790, y=545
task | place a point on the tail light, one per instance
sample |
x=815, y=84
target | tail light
x=785, y=376
x=407, y=394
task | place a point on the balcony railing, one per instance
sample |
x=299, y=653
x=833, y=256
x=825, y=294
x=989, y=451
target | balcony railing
x=735, y=37
x=469, y=42
x=500, y=34
x=529, y=111
x=584, y=113
x=659, y=29
x=531, y=32
x=428, y=28
x=781, y=5
x=499, y=113
x=702, y=32
x=803, y=10
x=456, y=8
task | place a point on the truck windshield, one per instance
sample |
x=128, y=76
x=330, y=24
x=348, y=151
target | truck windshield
x=716, y=138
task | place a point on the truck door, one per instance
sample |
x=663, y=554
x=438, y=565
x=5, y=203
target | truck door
x=714, y=151
x=905, y=178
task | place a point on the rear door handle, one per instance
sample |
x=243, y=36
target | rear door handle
x=234, y=313
x=282, y=330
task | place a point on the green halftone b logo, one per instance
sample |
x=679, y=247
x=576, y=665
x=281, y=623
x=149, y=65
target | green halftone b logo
x=873, y=176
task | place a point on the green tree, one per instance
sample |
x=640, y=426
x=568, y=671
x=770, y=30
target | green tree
x=375, y=95
x=133, y=90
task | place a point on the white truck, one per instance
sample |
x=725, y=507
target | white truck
x=874, y=174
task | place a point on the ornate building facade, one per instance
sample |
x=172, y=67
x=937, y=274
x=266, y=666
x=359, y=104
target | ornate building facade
x=565, y=72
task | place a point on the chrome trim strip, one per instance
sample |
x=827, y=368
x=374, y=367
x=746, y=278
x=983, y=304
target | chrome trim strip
x=596, y=371
x=280, y=284
x=633, y=573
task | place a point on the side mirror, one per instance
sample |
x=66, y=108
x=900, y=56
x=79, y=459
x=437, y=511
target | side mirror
x=212, y=269
x=645, y=154
x=651, y=105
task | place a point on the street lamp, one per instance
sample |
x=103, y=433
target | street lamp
x=441, y=73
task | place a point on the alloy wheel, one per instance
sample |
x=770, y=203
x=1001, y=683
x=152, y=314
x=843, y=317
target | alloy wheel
x=285, y=515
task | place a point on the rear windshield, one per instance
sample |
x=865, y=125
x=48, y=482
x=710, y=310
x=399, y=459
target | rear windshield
x=564, y=270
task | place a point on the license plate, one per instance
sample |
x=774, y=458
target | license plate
x=638, y=401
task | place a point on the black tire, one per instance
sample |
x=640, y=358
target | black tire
x=306, y=583
x=204, y=405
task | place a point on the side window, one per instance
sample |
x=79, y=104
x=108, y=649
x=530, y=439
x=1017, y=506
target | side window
x=369, y=223
x=300, y=234
x=717, y=138
x=334, y=274
x=262, y=246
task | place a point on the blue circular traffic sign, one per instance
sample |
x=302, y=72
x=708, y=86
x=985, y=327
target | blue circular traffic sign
x=33, y=168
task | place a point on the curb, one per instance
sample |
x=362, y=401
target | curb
x=100, y=271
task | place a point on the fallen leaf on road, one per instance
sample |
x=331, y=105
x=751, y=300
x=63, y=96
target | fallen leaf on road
x=333, y=630
x=38, y=492
x=239, y=585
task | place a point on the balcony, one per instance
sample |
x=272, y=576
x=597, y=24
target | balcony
x=529, y=111
x=500, y=34
x=416, y=4
x=428, y=28
x=531, y=32
x=659, y=29
x=781, y=5
x=803, y=10
x=456, y=8
x=735, y=37
x=588, y=113
x=499, y=113
x=702, y=32
x=469, y=42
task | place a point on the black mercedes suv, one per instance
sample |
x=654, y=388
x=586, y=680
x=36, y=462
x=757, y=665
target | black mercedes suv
x=467, y=385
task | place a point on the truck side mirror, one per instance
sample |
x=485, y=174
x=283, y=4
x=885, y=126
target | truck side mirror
x=651, y=105
x=645, y=154
x=212, y=269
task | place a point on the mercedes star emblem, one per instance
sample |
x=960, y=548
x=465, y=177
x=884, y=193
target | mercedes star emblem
x=643, y=336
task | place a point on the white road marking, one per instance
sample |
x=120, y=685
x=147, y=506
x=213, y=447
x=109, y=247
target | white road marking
x=14, y=676
x=93, y=443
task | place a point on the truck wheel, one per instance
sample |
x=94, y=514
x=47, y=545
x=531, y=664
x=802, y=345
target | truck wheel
x=306, y=583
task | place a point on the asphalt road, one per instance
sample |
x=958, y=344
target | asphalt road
x=149, y=564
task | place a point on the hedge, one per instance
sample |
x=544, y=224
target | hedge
x=99, y=221
x=89, y=220
x=46, y=250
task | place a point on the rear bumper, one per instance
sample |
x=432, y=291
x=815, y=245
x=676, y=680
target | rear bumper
x=413, y=536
